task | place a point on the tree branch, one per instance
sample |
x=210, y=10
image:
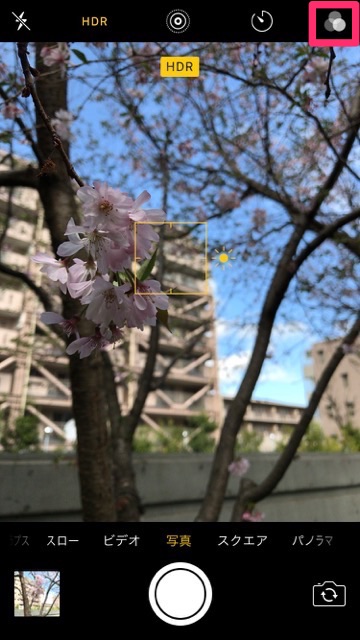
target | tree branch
x=26, y=131
x=327, y=231
x=29, y=83
x=342, y=158
x=255, y=494
x=328, y=73
x=25, y=177
x=39, y=291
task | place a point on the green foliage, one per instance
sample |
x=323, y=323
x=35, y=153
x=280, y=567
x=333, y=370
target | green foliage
x=146, y=268
x=350, y=439
x=248, y=441
x=80, y=55
x=173, y=440
x=195, y=435
x=142, y=444
x=202, y=441
x=23, y=437
x=162, y=317
x=315, y=440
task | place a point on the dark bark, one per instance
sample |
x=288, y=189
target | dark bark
x=90, y=410
x=39, y=291
x=51, y=584
x=24, y=177
x=57, y=195
x=26, y=603
x=127, y=501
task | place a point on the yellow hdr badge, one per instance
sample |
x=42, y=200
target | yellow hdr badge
x=179, y=67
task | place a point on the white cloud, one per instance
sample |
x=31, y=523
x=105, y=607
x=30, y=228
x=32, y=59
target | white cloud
x=285, y=329
x=213, y=286
x=234, y=328
x=233, y=363
x=282, y=369
x=226, y=328
x=231, y=369
x=276, y=373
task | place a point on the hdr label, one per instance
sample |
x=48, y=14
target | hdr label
x=94, y=21
x=179, y=67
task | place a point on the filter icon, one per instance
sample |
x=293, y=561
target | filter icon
x=334, y=24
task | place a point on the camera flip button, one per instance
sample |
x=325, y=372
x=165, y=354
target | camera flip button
x=329, y=594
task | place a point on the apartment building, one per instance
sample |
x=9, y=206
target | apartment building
x=340, y=404
x=269, y=419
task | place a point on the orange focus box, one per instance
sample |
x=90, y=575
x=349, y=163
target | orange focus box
x=178, y=246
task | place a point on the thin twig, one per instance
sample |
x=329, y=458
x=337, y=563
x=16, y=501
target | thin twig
x=328, y=74
x=30, y=86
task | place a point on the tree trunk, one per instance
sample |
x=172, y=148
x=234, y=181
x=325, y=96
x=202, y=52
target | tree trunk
x=215, y=492
x=26, y=603
x=57, y=194
x=127, y=501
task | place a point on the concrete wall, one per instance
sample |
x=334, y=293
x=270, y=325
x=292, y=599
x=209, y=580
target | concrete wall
x=317, y=487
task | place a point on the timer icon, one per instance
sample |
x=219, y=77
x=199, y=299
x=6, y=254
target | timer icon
x=262, y=21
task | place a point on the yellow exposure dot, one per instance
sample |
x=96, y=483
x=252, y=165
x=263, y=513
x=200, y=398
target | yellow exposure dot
x=223, y=257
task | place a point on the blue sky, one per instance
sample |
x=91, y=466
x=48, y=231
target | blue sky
x=237, y=297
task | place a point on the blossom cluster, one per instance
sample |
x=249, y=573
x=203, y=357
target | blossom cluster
x=60, y=54
x=239, y=467
x=113, y=296
x=61, y=124
x=253, y=516
x=11, y=110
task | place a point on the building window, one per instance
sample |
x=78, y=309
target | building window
x=350, y=408
x=345, y=379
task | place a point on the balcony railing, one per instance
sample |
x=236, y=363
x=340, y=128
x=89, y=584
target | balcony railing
x=11, y=302
x=5, y=382
x=20, y=233
x=15, y=260
x=8, y=338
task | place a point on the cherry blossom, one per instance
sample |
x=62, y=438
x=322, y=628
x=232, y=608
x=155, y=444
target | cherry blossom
x=85, y=346
x=95, y=240
x=228, y=201
x=253, y=516
x=11, y=111
x=239, y=467
x=59, y=54
x=81, y=276
x=61, y=124
x=69, y=326
x=56, y=270
x=113, y=226
x=144, y=303
x=107, y=303
x=104, y=205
